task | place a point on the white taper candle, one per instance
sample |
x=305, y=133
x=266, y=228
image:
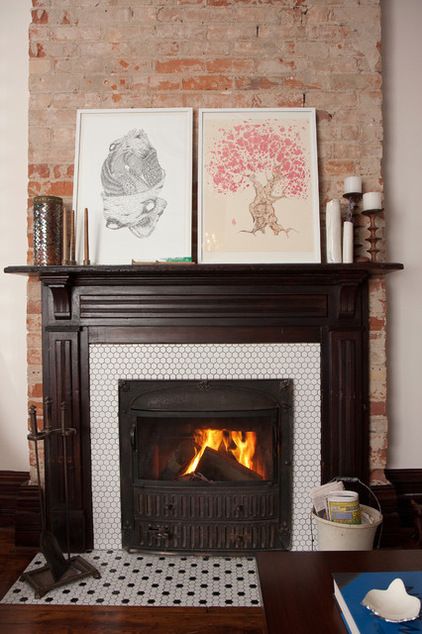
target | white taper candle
x=347, y=242
x=333, y=231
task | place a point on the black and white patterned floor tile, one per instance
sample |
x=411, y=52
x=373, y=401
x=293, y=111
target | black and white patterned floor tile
x=153, y=580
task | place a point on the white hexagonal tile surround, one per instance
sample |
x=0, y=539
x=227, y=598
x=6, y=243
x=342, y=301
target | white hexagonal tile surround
x=111, y=362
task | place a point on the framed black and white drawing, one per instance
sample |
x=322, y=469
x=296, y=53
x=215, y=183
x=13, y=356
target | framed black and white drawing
x=133, y=171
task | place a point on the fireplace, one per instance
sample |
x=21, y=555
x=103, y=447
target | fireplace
x=206, y=465
x=323, y=305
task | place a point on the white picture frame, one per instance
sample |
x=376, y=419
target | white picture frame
x=258, y=197
x=133, y=172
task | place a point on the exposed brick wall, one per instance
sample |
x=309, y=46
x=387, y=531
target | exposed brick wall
x=211, y=53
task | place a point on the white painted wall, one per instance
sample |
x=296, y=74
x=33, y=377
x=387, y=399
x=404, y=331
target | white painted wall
x=14, y=20
x=402, y=54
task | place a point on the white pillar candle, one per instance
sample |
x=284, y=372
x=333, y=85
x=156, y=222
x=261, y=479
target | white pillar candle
x=347, y=242
x=353, y=185
x=371, y=200
x=333, y=231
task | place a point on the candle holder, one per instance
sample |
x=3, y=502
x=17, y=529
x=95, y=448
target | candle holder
x=72, y=245
x=353, y=199
x=373, y=239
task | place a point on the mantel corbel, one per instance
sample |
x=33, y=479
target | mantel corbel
x=61, y=291
x=348, y=295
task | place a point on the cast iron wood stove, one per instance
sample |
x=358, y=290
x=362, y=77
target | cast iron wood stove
x=206, y=465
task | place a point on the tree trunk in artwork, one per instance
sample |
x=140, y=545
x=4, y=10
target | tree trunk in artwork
x=262, y=208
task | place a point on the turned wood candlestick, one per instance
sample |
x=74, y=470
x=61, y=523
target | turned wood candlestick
x=373, y=239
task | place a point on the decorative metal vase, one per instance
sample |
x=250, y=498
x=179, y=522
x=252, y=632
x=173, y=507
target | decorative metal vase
x=48, y=229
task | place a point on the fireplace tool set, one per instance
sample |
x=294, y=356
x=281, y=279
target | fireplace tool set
x=60, y=570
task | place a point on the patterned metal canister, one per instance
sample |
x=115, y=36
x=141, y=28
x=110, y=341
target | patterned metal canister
x=48, y=228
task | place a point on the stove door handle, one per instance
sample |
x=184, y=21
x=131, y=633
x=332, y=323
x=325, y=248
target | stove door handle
x=133, y=436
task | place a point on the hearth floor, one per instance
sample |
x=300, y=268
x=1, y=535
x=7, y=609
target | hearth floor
x=153, y=580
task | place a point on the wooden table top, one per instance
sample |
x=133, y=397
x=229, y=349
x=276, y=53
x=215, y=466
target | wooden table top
x=297, y=587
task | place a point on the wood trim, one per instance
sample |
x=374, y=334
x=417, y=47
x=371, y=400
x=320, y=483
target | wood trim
x=10, y=483
x=407, y=484
x=28, y=516
x=406, y=481
x=399, y=526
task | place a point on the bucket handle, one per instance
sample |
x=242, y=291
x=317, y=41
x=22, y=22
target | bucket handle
x=354, y=480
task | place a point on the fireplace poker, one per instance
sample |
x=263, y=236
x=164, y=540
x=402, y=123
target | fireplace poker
x=64, y=433
x=48, y=543
x=59, y=571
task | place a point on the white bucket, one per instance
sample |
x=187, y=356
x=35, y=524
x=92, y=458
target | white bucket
x=335, y=536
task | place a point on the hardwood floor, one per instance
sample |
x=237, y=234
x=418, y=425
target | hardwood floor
x=27, y=619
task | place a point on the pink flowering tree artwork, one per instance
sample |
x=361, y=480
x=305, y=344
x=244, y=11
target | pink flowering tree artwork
x=266, y=157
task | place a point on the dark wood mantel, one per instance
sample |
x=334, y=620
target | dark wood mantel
x=190, y=303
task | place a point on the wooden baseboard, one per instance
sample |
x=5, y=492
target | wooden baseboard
x=19, y=507
x=408, y=486
x=10, y=482
x=28, y=516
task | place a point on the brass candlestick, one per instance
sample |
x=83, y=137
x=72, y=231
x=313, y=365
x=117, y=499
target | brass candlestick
x=72, y=257
x=65, y=246
x=86, y=238
x=373, y=239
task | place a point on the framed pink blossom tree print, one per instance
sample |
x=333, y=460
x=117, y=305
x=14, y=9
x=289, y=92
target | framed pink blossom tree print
x=258, y=186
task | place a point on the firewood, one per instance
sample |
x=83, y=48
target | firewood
x=179, y=459
x=215, y=465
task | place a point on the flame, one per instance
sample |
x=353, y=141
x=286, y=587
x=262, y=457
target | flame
x=245, y=447
x=221, y=439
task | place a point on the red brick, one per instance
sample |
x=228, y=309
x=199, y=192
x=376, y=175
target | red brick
x=39, y=16
x=340, y=166
x=41, y=170
x=59, y=188
x=34, y=188
x=164, y=84
x=207, y=82
x=36, y=49
x=178, y=65
x=378, y=408
x=223, y=65
x=375, y=323
x=255, y=83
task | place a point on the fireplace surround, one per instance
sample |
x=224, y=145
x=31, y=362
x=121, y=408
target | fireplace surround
x=110, y=363
x=204, y=304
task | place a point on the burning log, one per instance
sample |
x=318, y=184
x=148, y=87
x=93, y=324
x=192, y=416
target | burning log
x=179, y=459
x=215, y=465
x=194, y=476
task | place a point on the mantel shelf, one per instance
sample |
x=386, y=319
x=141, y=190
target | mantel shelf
x=370, y=268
